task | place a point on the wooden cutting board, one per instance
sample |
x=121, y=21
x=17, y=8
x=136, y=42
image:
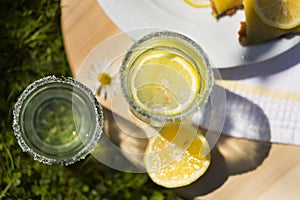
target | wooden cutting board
x=240, y=169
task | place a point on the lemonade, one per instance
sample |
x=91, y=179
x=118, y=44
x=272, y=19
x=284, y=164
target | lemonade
x=166, y=77
x=57, y=120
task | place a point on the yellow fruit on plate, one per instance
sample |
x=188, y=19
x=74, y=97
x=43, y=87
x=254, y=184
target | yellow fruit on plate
x=198, y=3
x=255, y=30
x=177, y=156
x=283, y=14
x=225, y=7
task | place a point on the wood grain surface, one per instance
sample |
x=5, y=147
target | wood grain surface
x=240, y=169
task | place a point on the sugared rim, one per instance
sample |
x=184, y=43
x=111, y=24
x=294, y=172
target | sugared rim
x=205, y=94
x=51, y=80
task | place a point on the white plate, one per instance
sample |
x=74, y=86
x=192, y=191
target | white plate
x=218, y=38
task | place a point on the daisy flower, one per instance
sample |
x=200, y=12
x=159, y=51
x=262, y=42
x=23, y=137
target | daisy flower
x=103, y=79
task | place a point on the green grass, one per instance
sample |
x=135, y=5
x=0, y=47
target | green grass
x=31, y=48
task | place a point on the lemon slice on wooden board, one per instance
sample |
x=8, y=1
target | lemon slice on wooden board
x=177, y=156
x=282, y=14
x=198, y=3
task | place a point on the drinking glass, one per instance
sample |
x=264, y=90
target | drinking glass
x=176, y=77
x=57, y=120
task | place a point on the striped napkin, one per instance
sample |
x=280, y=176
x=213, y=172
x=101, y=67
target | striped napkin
x=262, y=100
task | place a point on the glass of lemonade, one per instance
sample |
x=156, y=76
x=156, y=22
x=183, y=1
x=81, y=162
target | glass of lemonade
x=166, y=77
x=57, y=120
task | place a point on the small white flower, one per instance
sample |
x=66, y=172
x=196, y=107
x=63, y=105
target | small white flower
x=103, y=79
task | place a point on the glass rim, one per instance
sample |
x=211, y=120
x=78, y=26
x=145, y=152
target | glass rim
x=31, y=89
x=209, y=77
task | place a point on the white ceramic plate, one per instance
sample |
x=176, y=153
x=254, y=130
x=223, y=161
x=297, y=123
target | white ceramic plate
x=218, y=38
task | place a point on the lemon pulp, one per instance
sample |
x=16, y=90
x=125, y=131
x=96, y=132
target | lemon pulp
x=283, y=14
x=164, y=82
x=177, y=156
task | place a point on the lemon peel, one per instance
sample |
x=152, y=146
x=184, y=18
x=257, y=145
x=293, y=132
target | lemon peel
x=198, y=3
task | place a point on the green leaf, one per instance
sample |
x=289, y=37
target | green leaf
x=156, y=195
x=85, y=188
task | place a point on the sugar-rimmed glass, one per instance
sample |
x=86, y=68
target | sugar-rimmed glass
x=57, y=120
x=123, y=121
x=182, y=46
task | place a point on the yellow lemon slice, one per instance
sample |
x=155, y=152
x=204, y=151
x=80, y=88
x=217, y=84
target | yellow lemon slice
x=177, y=156
x=198, y=3
x=283, y=14
x=164, y=83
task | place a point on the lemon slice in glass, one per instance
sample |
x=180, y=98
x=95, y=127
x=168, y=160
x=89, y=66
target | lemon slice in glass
x=164, y=83
x=282, y=14
x=177, y=156
x=198, y=3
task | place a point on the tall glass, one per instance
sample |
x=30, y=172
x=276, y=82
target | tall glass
x=166, y=77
